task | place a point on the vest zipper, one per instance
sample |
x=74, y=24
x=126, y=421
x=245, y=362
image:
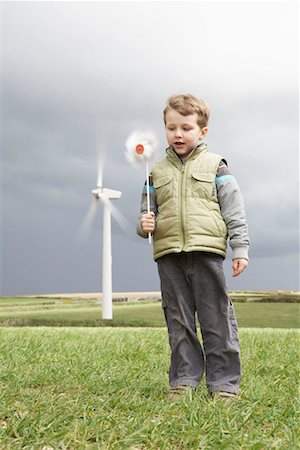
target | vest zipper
x=182, y=207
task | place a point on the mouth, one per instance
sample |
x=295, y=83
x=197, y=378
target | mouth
x=178, y=144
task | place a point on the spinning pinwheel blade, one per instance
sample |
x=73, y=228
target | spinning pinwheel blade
x=141, y=147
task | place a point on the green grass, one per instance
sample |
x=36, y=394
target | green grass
x=59, y=312
x=106, y=388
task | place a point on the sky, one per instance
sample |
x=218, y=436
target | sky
x=79, y=77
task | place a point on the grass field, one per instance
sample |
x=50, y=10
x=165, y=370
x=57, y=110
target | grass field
x=86, y=312
x=106, y=388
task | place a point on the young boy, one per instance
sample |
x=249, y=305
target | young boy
x=195, y=205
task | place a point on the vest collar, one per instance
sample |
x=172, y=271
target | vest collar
x=174, y=158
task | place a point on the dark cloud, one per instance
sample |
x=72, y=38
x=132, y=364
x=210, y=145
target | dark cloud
x=78, y=76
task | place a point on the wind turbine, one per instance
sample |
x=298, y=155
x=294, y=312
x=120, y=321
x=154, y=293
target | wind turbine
x=105, y=196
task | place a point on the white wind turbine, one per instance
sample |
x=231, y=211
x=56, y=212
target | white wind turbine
x=105, y=196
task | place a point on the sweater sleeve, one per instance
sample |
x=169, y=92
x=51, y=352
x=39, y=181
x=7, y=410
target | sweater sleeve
x=233, y=211
x=144, y=210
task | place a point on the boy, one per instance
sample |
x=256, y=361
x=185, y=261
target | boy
x=195, y=205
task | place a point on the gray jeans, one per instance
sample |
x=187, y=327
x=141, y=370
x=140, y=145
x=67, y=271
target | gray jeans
x=195, y=283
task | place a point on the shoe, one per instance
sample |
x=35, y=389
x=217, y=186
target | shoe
x=179, y=391
x=225, y=395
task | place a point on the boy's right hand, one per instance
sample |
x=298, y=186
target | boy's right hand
x=148, y=222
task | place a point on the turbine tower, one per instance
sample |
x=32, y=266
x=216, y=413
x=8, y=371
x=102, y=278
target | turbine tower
x=106, y=195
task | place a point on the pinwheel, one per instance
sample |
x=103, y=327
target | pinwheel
x=141, y=147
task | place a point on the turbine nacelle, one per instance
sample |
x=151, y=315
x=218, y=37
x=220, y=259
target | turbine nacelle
x=107, y=193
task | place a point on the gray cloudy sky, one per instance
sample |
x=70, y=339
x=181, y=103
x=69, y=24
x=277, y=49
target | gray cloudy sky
x=75, y=70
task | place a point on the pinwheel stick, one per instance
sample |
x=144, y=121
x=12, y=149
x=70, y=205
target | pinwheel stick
x=148, y=197
x=139, y=151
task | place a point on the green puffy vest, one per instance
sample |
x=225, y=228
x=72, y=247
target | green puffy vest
x=189, y=216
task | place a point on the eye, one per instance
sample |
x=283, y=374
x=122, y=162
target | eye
x=187, y=128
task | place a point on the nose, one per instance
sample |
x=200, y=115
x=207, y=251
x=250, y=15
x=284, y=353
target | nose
x=178, y=132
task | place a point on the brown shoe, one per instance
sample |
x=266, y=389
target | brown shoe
x=179, y=391
x=226, y=395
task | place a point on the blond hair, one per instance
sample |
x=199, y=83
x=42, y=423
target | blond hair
x=187, y=104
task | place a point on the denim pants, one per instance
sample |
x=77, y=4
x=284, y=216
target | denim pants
x=194, y=284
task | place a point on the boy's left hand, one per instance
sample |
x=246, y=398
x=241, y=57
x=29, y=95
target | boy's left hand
x=238, y=266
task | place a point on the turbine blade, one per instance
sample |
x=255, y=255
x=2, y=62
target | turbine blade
x=101, y=156
x=86, y=224
x=117, y=215
x=102, y=139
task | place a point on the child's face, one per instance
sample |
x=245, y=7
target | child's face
x=182, y=132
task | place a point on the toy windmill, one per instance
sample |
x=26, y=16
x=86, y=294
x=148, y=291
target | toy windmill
x=141, y=148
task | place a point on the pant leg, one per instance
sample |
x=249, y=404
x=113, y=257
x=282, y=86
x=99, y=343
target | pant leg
x=187, y=359
x=218, y=323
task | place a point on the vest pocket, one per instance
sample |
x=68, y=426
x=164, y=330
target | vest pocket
x=163, y=188
x=202, y=184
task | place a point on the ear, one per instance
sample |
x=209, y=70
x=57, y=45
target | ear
x=203, y=133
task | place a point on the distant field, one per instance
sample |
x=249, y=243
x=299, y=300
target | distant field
x=107, y=388
x=236, y=296
x=82, y=310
